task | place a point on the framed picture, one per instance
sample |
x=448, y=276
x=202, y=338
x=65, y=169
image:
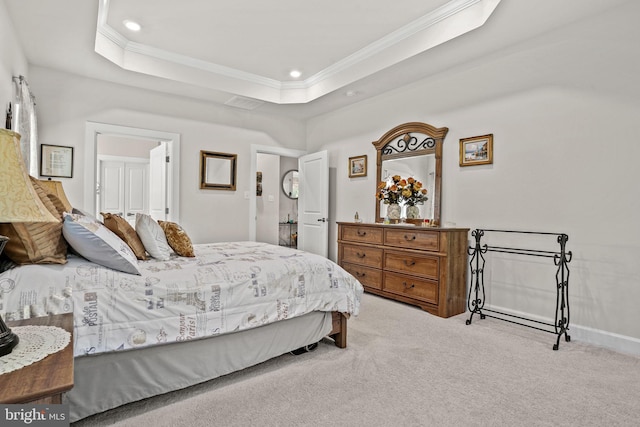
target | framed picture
x=357, y=166
x=56, y=161
x=477, y=150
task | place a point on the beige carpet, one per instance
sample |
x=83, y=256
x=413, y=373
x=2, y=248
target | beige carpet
x=405, y=367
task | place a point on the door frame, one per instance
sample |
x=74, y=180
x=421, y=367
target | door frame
x=93, y=129
x=251, y=195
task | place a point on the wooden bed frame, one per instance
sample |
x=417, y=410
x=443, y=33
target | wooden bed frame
x=339, y=329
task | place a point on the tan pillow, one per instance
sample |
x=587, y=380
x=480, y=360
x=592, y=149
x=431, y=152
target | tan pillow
x=36, y=242
x=177, y=238
x=126, y=232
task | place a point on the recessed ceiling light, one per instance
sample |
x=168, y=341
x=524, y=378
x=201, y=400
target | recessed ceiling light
x=295, y=74
x=132, y=25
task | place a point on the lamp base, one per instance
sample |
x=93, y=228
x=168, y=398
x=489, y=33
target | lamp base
x=8, y=342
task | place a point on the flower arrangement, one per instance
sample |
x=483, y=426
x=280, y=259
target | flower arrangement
x=398, y=190
x=389, y=192
x=413, y=193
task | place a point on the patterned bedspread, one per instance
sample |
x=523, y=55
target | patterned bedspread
x=227, y=287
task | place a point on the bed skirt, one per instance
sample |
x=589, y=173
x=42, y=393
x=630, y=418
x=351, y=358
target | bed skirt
x=109, y=380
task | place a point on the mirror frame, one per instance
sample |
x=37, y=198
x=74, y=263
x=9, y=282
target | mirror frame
x=282, y=184
x=407, y=140
x=231, y=184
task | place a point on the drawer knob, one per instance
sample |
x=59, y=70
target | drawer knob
x=409, y=239
x=360, y=274
x=409, y=263
x=362, y=233
x=406, y=286
x=359, y=255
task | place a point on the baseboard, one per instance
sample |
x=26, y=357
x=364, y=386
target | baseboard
x=610, y=340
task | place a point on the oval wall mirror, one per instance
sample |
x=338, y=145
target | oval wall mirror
x=290, y=184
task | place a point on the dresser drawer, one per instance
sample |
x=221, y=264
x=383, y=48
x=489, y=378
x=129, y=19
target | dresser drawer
x=421, y=265
x=362, y=255
x=413, y=239
x=369, y=277
x=412, y=287
x=354, y=233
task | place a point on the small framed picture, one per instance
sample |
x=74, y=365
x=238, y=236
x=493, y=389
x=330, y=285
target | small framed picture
x=477, y=150
x=357, y=166
x=56, y=161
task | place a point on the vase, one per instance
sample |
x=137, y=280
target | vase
x=413, y=212
x=393, y=211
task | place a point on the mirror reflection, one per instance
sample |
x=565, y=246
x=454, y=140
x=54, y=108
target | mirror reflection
x=217, y=170
x=421, y=168
x=290, y=184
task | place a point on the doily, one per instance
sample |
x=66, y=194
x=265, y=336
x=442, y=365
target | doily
x=36, y=343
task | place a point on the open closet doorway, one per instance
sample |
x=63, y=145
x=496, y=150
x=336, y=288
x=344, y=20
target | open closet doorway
x=153, y=189
x=123, y=176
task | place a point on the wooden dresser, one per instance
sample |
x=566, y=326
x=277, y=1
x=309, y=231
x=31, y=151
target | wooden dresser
x=426, y=267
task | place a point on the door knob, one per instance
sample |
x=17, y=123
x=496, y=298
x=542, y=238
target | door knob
x=322, y=220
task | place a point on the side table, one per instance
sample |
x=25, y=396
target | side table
x=42, y=382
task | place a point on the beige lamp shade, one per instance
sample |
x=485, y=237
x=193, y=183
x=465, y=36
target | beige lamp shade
x=55, y=187
x=19, y=201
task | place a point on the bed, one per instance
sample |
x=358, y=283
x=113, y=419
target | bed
x=183, y=320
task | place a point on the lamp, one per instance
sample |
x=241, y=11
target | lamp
x=19, y=202
x=55, y=187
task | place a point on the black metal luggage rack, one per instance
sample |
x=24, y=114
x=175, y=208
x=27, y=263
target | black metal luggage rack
x=561, y=259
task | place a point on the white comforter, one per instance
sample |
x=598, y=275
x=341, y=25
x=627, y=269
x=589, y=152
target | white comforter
x=227, y=287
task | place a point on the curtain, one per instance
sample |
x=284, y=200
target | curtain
x=26, y=125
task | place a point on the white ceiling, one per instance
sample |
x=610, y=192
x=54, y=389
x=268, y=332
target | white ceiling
x=215, y=50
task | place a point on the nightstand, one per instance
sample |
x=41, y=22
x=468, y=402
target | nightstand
x=42, y=382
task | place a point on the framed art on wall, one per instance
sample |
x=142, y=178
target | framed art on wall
x=477, y=150
x=56, y=161
x=357, y=166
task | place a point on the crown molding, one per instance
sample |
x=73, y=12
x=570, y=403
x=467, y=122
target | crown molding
x=460, y=16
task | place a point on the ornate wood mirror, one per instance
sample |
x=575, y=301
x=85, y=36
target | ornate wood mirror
x=217, y=171
x=412, y=150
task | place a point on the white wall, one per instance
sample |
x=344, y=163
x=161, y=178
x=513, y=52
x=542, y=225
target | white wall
x=12, y=62
x=565, y=160
x=66, y=102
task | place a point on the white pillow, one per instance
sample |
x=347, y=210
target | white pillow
x=92, y=240
x=153, y=237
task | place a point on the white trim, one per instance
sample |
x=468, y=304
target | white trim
x=610, y=340
x=264, y=149
x=457, y=16
x=93, y=129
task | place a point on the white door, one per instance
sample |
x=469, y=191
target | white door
x=136, y=194
x=111, y=187
x=124, y=188
x=158, y=182
x=313, y=203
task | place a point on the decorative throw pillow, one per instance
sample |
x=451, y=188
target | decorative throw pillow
x=125, y=231
x=152, y=236
x=177, y=238
x=36, y=242
x=95, y=242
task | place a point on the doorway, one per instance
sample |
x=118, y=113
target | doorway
x=141, y=137
x=252, y=193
